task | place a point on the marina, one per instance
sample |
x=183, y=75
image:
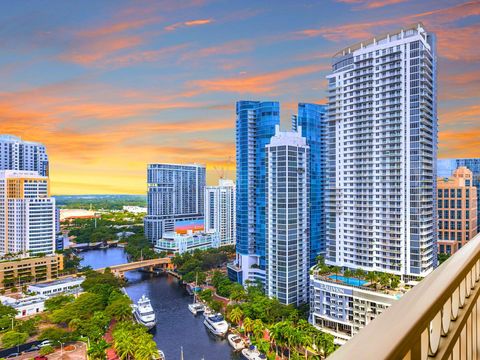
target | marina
x=176, y=327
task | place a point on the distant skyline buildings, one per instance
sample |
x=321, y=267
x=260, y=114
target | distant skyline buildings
x=288, y=217
x=457, y=210
x=382, y=155
x=175, y=199
x=220, y=211
x=447, y=166
x=18, y=154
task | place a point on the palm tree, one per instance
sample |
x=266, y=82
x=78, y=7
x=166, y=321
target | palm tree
x=276, y=336
x=123, y=344
x=258, y=328
x=145, y=348
x=305, y=340
x=371, y=277
x=248, y=325
x=348, y=273
x=97, y=350
x=74, y=324
x=236, y=315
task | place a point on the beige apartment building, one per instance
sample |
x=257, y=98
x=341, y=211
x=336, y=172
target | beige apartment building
x=457, y=210
x=31, y=269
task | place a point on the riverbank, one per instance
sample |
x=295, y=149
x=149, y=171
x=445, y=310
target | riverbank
x=176, y=326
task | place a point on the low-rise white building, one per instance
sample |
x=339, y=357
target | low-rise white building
x=135, y=209
x=27, y=306
x=56, y=287
x=179, y=243
x=341, y=306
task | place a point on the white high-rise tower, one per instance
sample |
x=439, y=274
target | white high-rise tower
x=382, y=150
x=27, y=214
x=287, y=243
x=17, y=154
x=220, y=211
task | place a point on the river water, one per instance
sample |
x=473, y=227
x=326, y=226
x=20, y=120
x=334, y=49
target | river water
x=176, y=326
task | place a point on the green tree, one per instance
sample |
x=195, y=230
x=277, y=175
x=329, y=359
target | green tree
x=47, y=350
x=236, y=315
x=13, y=338
x=120, y=309
x=57, y=302
x=56, y=335
x=97, y=350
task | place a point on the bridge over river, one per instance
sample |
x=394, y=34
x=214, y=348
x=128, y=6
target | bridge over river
x=150, y=265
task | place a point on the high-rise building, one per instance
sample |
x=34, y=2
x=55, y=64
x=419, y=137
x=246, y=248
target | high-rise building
x=382, y=155
x=16, y=154
x=447, y=166
x=27, y=214
x=255, y=125
x=311, y=118
x=288, y=220
x=175, y=199
x=220, y=211
x=457, y=210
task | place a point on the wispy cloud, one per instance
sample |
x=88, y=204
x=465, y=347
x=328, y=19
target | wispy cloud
x=188, y=23
x=454, y=42
x=371, y=4
x=255, y=84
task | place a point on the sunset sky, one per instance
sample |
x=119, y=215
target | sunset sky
x=109, y=86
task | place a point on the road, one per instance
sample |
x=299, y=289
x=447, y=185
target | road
x=80, y=353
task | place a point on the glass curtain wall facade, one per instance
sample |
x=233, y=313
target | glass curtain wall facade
x=255, y=125
x=382, y=131
x=311, y=119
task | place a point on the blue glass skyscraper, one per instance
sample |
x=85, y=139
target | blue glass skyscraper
x=312, y=120
x=255, y=125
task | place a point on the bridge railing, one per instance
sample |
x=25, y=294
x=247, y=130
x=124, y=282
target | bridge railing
x=438, y=319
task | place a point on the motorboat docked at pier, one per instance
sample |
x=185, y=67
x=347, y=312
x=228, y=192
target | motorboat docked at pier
x=196, y=308
x=252, y=353
x=143, y=312
x=236, y=342
x=216, y=324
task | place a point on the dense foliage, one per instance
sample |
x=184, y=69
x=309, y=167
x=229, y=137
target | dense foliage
x=192, y=265
x=132, y=341
x=96, y=202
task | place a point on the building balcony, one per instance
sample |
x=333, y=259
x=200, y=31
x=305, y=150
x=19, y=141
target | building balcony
x=438, y=319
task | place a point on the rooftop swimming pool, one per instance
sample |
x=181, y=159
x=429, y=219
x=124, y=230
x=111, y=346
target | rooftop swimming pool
x=348, y=280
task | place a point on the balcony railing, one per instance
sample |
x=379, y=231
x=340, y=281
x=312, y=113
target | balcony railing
x=438, y=319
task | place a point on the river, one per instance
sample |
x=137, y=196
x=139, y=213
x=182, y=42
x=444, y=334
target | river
x=176, y=326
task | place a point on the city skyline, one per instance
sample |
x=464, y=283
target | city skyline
x=161, y=79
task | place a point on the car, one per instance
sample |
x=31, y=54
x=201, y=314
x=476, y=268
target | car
x=12, y=355
x=44, y=343
x=33, y=348
x=40, y=357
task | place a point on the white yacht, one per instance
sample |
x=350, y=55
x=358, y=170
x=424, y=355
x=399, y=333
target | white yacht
x=196, y=308
x=144, y=313
x=216, y=324
x=236, y=342
x=252, y=353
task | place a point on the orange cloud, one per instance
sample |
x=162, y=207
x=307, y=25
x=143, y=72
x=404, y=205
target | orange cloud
x=371, y=4
x=229, y=48
x=98, y=49
x=255, y=84
x=188, y=24
x=459, y=143
x=454, y=42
